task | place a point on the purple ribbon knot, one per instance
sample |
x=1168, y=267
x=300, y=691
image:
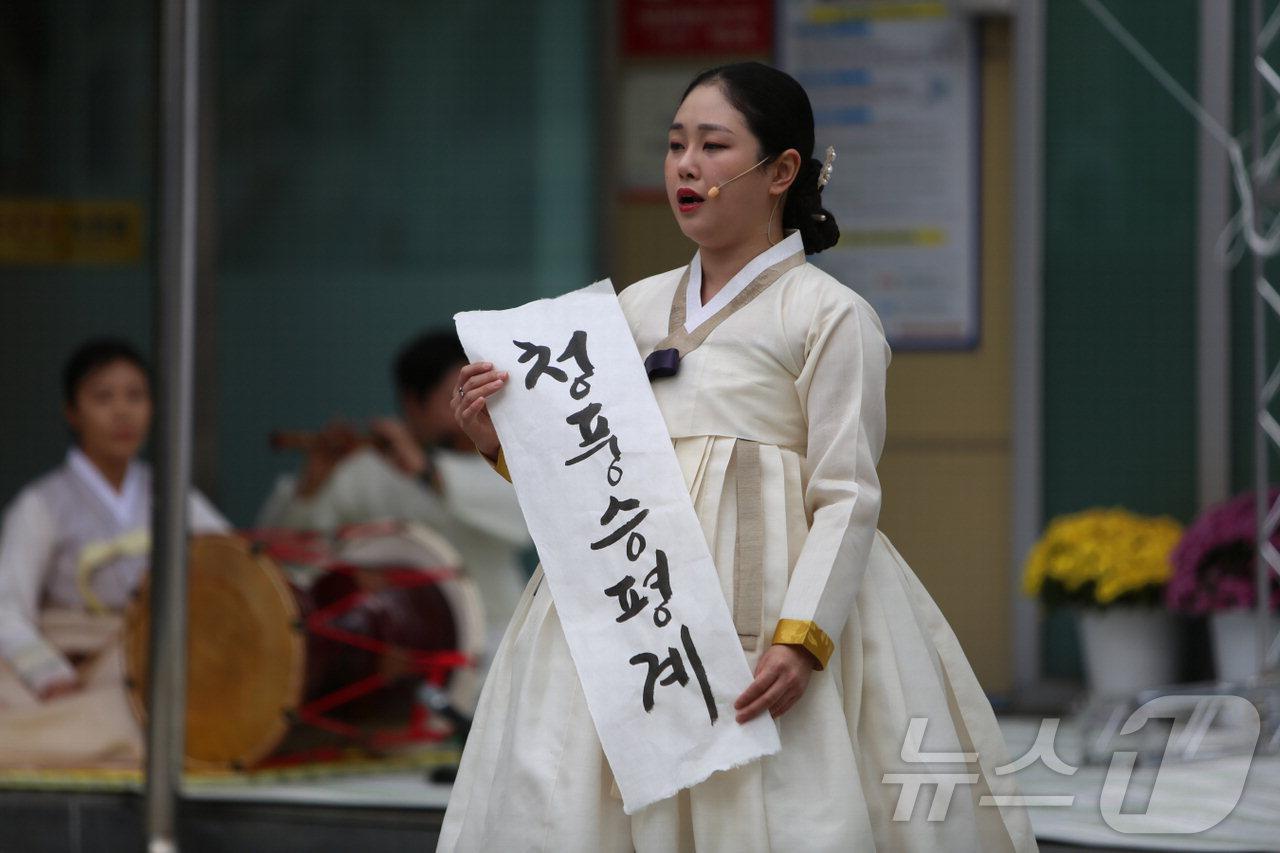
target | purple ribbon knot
x=662, y=362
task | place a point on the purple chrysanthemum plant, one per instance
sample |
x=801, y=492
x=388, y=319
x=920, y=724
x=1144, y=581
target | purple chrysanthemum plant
x=1213, y=563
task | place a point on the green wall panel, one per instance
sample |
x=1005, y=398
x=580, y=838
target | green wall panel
x=378, y=166
x=1119, y=273
x=382, y=166
x=76, y=122
x=1119, y=288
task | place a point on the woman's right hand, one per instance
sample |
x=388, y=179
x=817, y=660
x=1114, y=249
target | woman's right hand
x=476, y=383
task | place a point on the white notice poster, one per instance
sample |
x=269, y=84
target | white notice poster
x=623, y=552
x=893, y=88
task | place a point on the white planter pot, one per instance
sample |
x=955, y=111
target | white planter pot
x=1235, y=643
x=1127, y=649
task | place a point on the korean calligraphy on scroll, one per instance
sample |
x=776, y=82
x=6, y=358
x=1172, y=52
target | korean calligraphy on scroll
x=621, y=547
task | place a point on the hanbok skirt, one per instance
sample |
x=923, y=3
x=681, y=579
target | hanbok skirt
x=854, y=772
x=91, y=727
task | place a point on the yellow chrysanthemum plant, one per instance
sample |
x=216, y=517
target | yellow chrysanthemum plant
x=1102, y=557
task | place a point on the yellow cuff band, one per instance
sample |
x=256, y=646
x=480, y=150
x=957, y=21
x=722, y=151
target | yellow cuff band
x=500, y=465
x=794, y=632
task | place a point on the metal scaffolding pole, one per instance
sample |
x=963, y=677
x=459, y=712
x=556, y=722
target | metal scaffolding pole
x=1028, y=345
x=1265, y=383
x=175, y=312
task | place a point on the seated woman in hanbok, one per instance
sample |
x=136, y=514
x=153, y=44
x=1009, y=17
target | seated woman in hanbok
x=776, y=411
x=73, y=548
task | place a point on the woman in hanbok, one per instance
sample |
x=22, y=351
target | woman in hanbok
x=73, y=549
x=770, y=375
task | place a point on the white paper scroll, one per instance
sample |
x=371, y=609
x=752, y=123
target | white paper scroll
x=623, y=552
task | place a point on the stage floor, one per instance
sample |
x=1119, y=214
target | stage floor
x=1254, y=823
x=402, y=809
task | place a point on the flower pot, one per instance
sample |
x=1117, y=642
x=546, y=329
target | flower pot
x=1235, y=642
x=1127, y=649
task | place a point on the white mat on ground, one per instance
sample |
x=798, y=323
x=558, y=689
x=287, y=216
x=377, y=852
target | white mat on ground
x=1253, y=824
x=626, y=559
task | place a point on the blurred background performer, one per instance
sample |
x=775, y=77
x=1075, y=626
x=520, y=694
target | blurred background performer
x=421, y=468
x=73, y=549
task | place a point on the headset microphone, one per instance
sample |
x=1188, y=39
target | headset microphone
x=714, y=192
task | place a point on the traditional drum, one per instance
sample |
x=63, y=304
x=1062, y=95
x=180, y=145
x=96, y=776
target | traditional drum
x=298, y=647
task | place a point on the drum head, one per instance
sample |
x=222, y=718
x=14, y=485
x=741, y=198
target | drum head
x=405, y=544
x=412, y=544
x=245, y=653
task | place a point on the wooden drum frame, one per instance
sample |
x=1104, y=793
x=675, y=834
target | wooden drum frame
x=324, y=655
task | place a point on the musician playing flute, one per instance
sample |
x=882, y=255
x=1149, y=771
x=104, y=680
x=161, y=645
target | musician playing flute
x=420, y=467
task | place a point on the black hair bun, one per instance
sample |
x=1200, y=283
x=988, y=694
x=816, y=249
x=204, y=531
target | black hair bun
x=805, y=213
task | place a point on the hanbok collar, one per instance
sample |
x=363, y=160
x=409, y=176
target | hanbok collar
x=695, y=313
x=755, y=278
x=125, y=505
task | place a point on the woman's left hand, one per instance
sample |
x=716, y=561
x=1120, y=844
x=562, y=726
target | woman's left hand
x=782, y=674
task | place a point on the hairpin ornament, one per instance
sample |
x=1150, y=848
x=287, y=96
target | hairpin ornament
x=824, y=174
x=824, y=177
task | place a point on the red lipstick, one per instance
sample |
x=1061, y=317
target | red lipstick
x=687, y=200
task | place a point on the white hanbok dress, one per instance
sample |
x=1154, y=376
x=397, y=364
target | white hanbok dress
x=72, y=553
x=789, y=376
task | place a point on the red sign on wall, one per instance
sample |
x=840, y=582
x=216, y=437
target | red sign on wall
x=693, y=27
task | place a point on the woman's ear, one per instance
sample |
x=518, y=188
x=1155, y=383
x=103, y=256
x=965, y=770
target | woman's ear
x=785, y=168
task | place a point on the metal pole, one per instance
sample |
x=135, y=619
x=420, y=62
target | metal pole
x=179, y=57
x=1213, y=209
x=1028, y=444
x=1261, y=504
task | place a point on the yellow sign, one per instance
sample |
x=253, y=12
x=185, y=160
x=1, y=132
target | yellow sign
x=918, y=237
x=883, y=9
x=41, y=232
